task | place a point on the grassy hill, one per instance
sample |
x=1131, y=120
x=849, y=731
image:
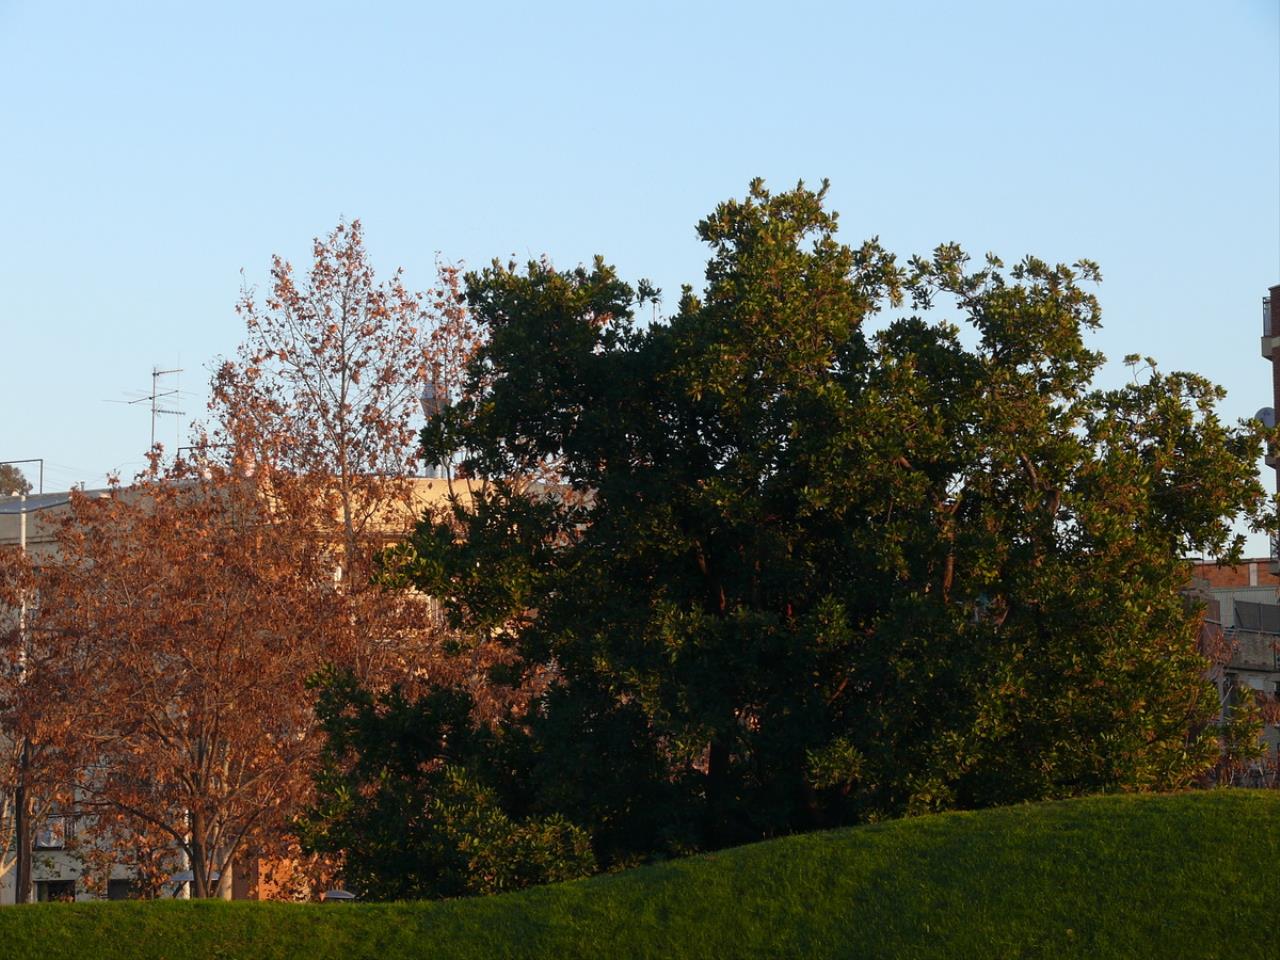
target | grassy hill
x=1183, y=876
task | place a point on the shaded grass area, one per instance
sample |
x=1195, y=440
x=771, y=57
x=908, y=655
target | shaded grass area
x=1187, y=875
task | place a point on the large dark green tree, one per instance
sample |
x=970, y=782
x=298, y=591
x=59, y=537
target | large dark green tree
x=841, y=539
x=12, y=481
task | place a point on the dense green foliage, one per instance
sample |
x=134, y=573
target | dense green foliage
x=790, y=573
x=12, y=481
x=1188, y=876
x=397, y=800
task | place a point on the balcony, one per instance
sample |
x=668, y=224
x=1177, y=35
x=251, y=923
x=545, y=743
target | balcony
x=1256, y=636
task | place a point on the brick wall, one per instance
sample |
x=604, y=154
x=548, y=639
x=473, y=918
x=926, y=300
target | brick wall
x=1251, y=573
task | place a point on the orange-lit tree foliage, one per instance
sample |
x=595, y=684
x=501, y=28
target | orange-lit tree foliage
x=191, y=608
x=193, y=613
x=189, y=612
x=323, y=398
x=181, y=619
x=38, y=749
x=328, y=385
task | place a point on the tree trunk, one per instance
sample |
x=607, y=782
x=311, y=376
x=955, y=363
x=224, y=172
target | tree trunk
x=223, y=889
x=22, y=831
x=199, y=859
x=715, y=832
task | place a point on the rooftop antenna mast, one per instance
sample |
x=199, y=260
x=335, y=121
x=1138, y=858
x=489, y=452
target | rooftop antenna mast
x=156, y=396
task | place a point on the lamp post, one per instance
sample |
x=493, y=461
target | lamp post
x=21, y=809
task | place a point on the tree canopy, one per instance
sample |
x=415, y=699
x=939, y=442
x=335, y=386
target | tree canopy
x=156, y=678
x=328, y=383
x=849, y=537
x=182, y=615
x=12, y=480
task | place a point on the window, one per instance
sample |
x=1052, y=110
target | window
x=48, y=891
x=122, y=890
x=55, y=833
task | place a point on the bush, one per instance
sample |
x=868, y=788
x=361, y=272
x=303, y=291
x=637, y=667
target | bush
x=397, y=802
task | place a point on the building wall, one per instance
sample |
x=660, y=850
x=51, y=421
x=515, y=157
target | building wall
x=1255, y=572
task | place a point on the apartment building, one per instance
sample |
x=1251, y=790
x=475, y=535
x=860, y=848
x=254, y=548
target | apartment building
x=1243, y=616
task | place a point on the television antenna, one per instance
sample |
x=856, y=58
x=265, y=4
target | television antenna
x=155, y=397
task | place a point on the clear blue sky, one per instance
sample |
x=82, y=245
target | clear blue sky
x=149, y=152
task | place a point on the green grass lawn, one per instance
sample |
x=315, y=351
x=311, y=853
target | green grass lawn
x=1173, y=877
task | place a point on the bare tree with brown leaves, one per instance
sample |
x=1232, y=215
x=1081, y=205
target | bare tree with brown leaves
x=190, y=616
x=167, y=688
x=195, y=603
x=329, y=380
x=39, y=754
